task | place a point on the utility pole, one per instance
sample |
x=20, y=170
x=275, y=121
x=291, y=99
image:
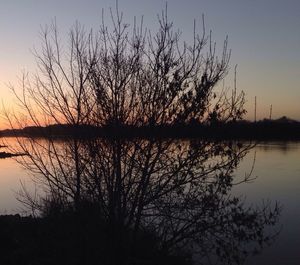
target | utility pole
x=255, y=109
x=270, y=112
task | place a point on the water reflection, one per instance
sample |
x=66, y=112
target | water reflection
x=284, y=147
x=153, y=200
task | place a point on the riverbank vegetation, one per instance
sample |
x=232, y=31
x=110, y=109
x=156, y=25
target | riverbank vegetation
x=280, y=129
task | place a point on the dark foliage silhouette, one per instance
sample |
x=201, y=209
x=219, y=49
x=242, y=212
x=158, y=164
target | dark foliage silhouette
x=139, y=201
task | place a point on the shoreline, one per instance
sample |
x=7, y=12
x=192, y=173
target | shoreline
x=261, y=131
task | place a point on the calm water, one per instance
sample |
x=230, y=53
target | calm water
x=277, y=172
x=277, y=167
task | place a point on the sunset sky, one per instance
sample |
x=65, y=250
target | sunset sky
x=264, y=36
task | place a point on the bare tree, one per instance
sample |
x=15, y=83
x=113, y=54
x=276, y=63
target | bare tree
x=121, y=77
x=128, y=76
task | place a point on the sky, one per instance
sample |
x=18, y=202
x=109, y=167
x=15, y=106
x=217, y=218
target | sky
x=264, y=38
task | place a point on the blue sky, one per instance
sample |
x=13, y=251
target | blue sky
x=264, y=36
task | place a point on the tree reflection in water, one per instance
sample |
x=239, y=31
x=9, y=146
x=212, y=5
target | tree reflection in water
x=152, y=201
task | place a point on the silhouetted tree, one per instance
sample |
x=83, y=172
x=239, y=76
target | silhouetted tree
x=175, y=193
x=127, y=75
x=121, y=76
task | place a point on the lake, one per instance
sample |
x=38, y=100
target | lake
x=275, y=170
x=277, y=167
